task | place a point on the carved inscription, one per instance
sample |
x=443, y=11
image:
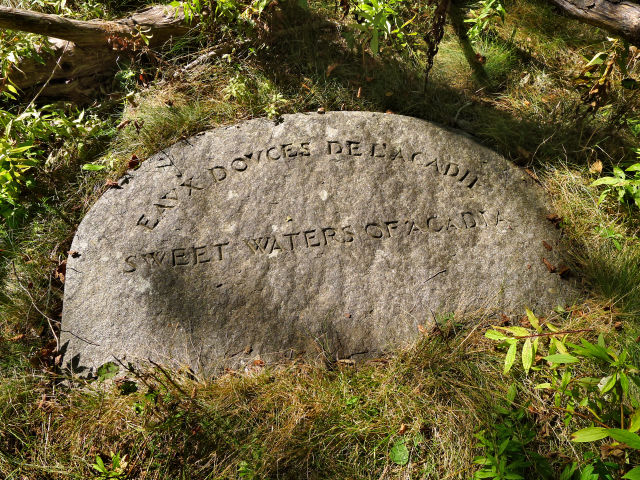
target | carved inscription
x=310, y=238
x=177, y=257
x=337, y=149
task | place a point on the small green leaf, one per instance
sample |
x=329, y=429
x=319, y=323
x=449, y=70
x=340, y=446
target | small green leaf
x=495, y=335
x=624, y=383
x=107, y=371
x=607, y=383
x=544, y=386
x=511, y=393
x=606, y=181
x=633, y=474
x=533, y=320
x=510, y=357
x=634, y=421
x=559, y=345
x=527, y=355
x=590, y=434
x=625, y=436
x=598, y=59
x=561, y=358
x=518, y=331
x=399, y=453
x=374, y=42
x=93, y=167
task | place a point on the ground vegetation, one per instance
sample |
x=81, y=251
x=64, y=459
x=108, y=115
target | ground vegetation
x=550, y=395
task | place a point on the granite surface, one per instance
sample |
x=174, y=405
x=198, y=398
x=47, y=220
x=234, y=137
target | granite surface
x=330, y=234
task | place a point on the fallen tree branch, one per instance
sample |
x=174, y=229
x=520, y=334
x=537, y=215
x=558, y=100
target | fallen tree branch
x=621, y=17
x=84, y=55
x=157, y=22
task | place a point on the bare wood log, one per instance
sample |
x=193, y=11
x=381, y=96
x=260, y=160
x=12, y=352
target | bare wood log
x=620, y=17
x=84, y=55
x=158, y=22
x=68, y=72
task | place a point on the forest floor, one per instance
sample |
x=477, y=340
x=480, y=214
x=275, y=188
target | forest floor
x=441, y=409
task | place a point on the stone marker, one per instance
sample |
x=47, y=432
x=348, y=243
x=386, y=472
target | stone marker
x=338, y=233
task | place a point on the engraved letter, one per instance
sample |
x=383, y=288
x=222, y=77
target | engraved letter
x=353, y=148
x=434, y=229
x=289, y=151
x=275, y=245
x=452, y=169
x=218, y=173
x=147, y=222
x=164, y=205
x=157, y=257
x=348, y=234
x=328, y=232
x=304, y=149
x=310, y=236
x=249, y=156
x=399, y=154
x=219, y=247
x=189, y=184
x=451, y=224
x=132, y=266
x=374, y=230
x=290, y=237
x=412, y=227
x=273, y=149
x=330, y=145
x=482, y=212
x=180, y=256
x=258, y=245
x=392, y=225
x=239, y=165
x=375, y=151
x=170, y=164
x=468, y=219
x=199, y=253
x=473, y=180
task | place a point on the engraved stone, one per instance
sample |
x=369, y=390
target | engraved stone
x=322, y=235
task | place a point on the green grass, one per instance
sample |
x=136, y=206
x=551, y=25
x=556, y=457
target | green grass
x=337, y=420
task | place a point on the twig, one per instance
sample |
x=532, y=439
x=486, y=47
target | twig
x=164, y=372
x=49, y=320
x=53, y=71
x=586, y=417
x=556, y=333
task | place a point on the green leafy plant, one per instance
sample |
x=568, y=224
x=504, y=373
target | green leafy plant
x=118, y=465
x=107, y=371
x=604, y=400
x=625, y=187
x=610, y=234
x=597, y=77
x=379, y=21
x=507, y=446
x=399, y=453
x=530, y=341
x=38, y=138
x=483, y=16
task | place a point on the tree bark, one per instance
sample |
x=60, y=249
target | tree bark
x=620, y=17
x=160, y=22
x=85, y=55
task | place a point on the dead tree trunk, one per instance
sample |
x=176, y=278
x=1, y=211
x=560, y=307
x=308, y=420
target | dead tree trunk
x=620, y=17
x=85, y=54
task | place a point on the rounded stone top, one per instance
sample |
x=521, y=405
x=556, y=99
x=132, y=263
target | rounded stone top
x=322, y=234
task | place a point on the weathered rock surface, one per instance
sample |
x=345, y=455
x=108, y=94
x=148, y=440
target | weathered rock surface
x=336, y=233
